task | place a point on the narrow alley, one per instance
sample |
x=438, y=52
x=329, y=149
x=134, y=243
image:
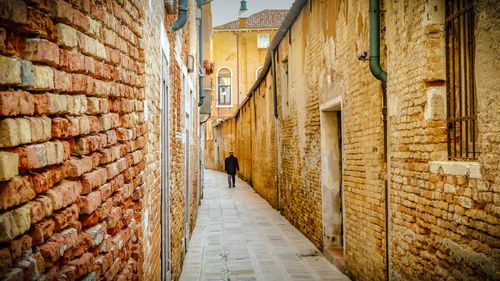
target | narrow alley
x=239, y=236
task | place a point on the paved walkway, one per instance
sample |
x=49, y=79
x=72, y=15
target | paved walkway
x=239, y=236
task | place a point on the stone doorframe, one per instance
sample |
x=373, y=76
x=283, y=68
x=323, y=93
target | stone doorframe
x=332, y=160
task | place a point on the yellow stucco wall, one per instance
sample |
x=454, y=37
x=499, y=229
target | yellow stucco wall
x=224, y=54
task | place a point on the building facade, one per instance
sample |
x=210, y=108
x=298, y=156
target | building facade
x=238, y=49
x=398, y=180
x=99, y=146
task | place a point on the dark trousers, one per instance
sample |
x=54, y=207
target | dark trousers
x=229, y=178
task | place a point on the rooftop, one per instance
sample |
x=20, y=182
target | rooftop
x=264, y=19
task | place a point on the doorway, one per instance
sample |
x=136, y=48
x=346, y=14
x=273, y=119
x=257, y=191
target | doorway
x=332, y=185
x=165, y=188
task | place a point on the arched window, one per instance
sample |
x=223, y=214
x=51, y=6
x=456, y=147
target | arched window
x=224, y=86
x=257, y=72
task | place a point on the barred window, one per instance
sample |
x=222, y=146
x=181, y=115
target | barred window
x=461, y=89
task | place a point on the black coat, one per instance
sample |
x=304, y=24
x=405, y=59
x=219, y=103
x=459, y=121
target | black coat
x=231, y=165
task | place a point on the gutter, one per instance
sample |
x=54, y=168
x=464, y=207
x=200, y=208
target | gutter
x=380, y=74
x=375, y=67
x=181, y=17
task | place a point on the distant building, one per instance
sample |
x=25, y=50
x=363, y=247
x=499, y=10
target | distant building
x=238, y=50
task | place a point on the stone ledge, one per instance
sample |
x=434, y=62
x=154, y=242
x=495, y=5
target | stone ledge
x=456, y=168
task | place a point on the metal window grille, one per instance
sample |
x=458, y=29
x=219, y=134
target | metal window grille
x=461, y=89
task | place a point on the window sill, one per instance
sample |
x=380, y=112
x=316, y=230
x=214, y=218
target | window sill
x=456, y=168
x=220, y=105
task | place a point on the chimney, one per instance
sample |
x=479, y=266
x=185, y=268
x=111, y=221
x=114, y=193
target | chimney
x=242, y=13
x=243, y=22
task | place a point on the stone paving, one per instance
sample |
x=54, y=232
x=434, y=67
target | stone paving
x=239, y=236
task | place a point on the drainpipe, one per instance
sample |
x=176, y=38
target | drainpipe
x=375, y=67
x=275, y=97
x=387, y=177
x=182, y=16
x=200, y=55
x=275, y=91
x=381, y=75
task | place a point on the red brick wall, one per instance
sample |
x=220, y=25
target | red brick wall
x=152, y=197
x=73, y=139
x=183, y=44
x=74, y=144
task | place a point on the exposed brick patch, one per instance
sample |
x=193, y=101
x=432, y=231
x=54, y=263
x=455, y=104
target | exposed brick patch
x=16, y=103
x=58, y=79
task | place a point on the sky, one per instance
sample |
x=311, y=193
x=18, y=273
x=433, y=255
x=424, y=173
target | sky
x=224, y=11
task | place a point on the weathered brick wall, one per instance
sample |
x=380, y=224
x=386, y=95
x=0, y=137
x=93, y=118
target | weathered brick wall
x=79, y=164
x=263, y=165
x=445, y=215
x=72, y=141
x=444, y=218
x=152, y=196
x=362, y=138
x=180, y=43
x=299, y=170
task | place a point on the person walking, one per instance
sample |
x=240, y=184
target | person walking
x=231, y=165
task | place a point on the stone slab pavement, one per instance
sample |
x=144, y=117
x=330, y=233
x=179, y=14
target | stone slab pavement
x=239, y=236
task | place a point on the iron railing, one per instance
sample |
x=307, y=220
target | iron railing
x=461, y=89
